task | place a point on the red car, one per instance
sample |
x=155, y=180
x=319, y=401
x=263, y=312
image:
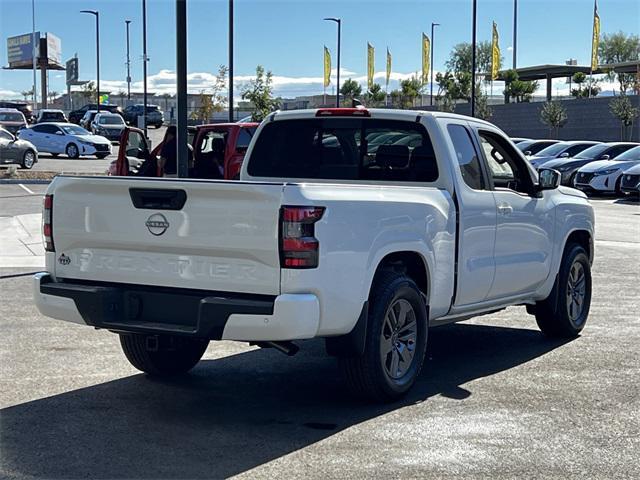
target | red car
x=223, y=144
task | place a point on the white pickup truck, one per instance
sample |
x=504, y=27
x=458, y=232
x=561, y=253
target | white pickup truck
x=363, y=227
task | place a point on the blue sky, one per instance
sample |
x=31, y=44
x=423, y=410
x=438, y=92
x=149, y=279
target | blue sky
x=287, y=36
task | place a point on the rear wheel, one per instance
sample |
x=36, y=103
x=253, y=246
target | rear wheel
x=28, y=159
x=564, y=313
x=72, y=151
x=396, y=341
x=162, y=355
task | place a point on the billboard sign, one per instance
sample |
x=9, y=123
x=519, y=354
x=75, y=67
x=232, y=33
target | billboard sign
x=20, y=49
x=72, y=71
x=54, y=48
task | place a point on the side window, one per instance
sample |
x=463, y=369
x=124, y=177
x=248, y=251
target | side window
x=576, y=149
x=244, y=138
x=466, y=156
x=615, y=151
x=5, y=135
x=506, y=167
x=49, y=129
x=39, y=128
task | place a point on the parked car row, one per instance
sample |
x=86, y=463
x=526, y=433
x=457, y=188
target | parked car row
x=592, y=167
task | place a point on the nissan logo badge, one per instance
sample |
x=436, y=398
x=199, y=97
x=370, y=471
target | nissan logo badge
x=157, y=224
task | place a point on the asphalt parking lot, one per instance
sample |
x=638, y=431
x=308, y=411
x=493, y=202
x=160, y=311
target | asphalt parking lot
x=85, y=165
x=496, y=399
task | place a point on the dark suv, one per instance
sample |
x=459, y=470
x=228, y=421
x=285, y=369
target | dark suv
x=23, y=107
x=76, y=115
x=155, y=117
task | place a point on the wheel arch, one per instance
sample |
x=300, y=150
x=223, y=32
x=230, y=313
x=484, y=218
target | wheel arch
x=582, y=238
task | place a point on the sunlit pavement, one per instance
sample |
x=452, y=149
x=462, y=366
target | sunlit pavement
x=496, y=400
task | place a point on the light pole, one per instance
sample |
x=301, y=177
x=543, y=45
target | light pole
x=339, y=22
x=515, y=31
x=230, y=61
x=473, y=59
x=432, y=42
x=33, y=53
x=127, y=22
x=144, y=65
x=97, y=15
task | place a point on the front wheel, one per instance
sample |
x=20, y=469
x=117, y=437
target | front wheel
x=395, y=344
x=28, y=159
x=563, y=314
x=72, y=151
x=162, y=355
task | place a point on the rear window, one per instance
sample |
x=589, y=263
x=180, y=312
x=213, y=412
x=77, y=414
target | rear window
x=244, y=138
x=11, y=117
x=344, y=149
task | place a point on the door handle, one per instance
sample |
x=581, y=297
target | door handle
x=505, y=209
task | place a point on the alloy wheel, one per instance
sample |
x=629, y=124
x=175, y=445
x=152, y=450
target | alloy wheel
x=398, y=338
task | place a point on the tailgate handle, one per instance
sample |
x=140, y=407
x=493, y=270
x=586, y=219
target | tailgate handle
x=158, y=198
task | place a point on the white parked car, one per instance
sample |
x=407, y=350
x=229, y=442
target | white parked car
x=367, y=250
x=67, y=139
x=630, y=184
x=606, y=175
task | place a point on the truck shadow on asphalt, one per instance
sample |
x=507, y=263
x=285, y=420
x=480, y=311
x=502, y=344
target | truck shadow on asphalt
x=231, y=414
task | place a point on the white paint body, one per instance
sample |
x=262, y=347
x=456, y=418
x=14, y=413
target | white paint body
x=49, y=142
x=509, y=245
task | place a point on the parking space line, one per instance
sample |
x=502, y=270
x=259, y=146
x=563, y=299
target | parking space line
x=26, y=189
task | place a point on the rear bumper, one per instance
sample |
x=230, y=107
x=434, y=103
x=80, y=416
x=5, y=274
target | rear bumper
x=171, y=311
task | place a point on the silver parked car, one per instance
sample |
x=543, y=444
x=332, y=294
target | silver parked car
x=13, y=150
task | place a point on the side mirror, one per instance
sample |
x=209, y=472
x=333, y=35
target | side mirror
x=564, y=155
x=527, y=153
x=548, y=179
x=605, y=157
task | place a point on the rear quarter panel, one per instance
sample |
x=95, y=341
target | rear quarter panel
x=361, y=225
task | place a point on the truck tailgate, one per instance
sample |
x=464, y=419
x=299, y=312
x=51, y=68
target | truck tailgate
x=224, y=237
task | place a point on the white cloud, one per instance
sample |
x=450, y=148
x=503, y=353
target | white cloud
x=10, y=94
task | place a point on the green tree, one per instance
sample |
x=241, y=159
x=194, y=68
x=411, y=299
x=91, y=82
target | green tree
x=516, y=89
x=260, y=93
x=554, y=115
x=375, y=95
x=26, y=94
x=409, y=91
x=451, y=88
x=590, y=89
x=620, y=47
x=349, y=90
x=482, y=110
x=218, y=97
x=623, y=110
x=205, y=110
x=88, y=91
x=460, y=58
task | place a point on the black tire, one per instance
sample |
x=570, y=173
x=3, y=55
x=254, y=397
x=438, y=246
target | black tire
x=29, y=159
x=563, y=314
x=572, y=180
x=102, y=155
x=618, y=189
x=72, y=151
x=367, y=376
x=164, y=355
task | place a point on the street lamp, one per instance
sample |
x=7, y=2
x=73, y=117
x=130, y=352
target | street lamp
x=127, y=22
x=432, y=42
x=97, y=15
x=339, y=22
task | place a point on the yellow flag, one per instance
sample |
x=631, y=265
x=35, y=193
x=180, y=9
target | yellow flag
x=426, y=63
x=596, y=37
x=388, y=65
x=370, y=65
x=495, y=53
x=327, y=67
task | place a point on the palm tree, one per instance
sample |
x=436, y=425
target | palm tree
x=26, y=94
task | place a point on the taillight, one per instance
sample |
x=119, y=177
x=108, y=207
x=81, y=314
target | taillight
x=47, y=223
x=298, y=245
